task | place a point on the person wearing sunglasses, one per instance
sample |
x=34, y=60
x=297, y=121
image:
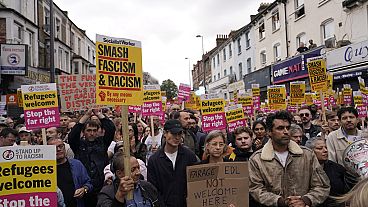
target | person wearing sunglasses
x=310, y=130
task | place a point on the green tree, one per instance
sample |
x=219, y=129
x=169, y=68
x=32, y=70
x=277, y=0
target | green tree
x=170, y=87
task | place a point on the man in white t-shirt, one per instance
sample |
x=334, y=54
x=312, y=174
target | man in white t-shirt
x=284, y=173
x=154, y=142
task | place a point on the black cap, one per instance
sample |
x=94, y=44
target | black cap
x=174, y=126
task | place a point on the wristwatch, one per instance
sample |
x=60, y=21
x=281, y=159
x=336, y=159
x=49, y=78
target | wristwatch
x=85, y=189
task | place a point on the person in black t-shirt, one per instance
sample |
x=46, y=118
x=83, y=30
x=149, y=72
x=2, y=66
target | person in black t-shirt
x=72, y=176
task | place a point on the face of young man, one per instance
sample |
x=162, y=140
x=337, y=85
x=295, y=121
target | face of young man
x=173, y=140
x=348, y=121
x=184, y=119
x=243, y=141
x=90, y=132
x=8, y=140
x=25, y=136
x=280, y=132
x=305, y=115
x=51, y=132
x=334, y=123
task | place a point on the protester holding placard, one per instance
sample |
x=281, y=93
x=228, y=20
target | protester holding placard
x=72, y=176
x=167, y=167
x=92, y=150
x=304, y=183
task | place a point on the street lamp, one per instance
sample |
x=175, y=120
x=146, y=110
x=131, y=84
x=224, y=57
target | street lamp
x=190, y=81
x=204, y=70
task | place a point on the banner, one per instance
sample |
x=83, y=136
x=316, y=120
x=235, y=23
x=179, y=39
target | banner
x=234, y=117
x=276, y=97
x=218, y=184
x=317, y=74
x=256, y=93
x=28, y=176
x=213, y=112
x=13, y=59
x=41, y=108
x=152, y=102
x=246, y=100
x=184, y=92
x=297, y=92
x=347, y=93
x=119, y=77
x=77, y=92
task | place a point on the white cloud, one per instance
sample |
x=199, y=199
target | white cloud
x=167, y=28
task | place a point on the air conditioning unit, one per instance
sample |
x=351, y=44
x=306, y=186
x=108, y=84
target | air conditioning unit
x=343, y=43
x=330, y=42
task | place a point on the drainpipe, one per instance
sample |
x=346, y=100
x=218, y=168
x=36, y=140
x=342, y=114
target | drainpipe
x=286, y=28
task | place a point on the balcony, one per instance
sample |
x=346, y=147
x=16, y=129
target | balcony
x=350, y=4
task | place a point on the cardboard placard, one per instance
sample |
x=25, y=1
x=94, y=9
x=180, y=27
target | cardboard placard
x=277, y=97
x=184, y=92
x=317, y=74
x=119, y=76
x=41, y=108
x=297, y=92
x=219, y=184
x=31, y=176
x=77, y=92
x=256, y=93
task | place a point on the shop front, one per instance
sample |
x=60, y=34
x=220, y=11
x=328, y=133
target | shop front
x=261, y=77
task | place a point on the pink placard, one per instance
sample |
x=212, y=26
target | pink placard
x=153, y=108
x=348, y=100
x=135, y=109
x=256, y=102
x=161, y=117
x=213, y=122
x=235, y=124
x=248, y=110
x=184, y=92
x=292, y=108
x=362, y=111
x=42, y=118
x=30, y=199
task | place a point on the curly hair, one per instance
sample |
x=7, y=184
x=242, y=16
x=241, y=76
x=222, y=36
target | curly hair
x=283, y=115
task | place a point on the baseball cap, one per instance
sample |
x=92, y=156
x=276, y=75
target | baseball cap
x=174, y=126
x=2, y=120
x=24, y=129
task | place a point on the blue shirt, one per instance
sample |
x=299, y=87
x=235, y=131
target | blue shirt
x=138, y=200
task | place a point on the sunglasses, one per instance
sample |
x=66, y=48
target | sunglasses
x=306, y=114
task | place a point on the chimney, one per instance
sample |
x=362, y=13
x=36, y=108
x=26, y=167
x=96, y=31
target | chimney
x=262, y=7
x=220, y=39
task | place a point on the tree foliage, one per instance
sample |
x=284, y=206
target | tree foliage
x=170, y=87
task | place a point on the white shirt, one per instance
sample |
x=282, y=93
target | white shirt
x=153, y=141
x=282, y=157
x=172, y=157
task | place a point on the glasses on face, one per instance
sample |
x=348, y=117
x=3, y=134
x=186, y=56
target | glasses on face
x=175, y=109
x=215, y=144
x=304, y=114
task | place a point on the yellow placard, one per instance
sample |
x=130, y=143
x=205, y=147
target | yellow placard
x=191, y=103
x=245, y=100
x=329, y=81
x=256, y=92
x=317, y=74
x=151, y=95
x=164, y=99
x=234, y=115
x=20, y=98
x=297, y=92
x=276, y=97
x=309, y=98
x=212, y=106
x=40, y=100
x=119, y=77
x=358, y=98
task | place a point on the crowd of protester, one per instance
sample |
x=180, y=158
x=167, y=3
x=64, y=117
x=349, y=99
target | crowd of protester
x=294, y=159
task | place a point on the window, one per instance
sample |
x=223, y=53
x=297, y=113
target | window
x=240, y=71
x=72, y=40
x=263, y=58
x=277, y=51
x=239, y=46
x=67, y=61
x=218, y=75
x=214, y=78
x=301, y=38
x=275, y=20
x=29, y=41
x=249, y=65
x=79, y=46
x=225, y=72
x=218, y=59
x=60, y=58
x=88, y=53
x=47, y=20
x=214, y=61
x=225, y=96
x=328, y=29
x=299, y=8
x=247, y=40
x=58, y=28
x=76, y=68
x=224, y=53
x=231, y=70
x=261, y=30
x=230, y=51
x=18, y=32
